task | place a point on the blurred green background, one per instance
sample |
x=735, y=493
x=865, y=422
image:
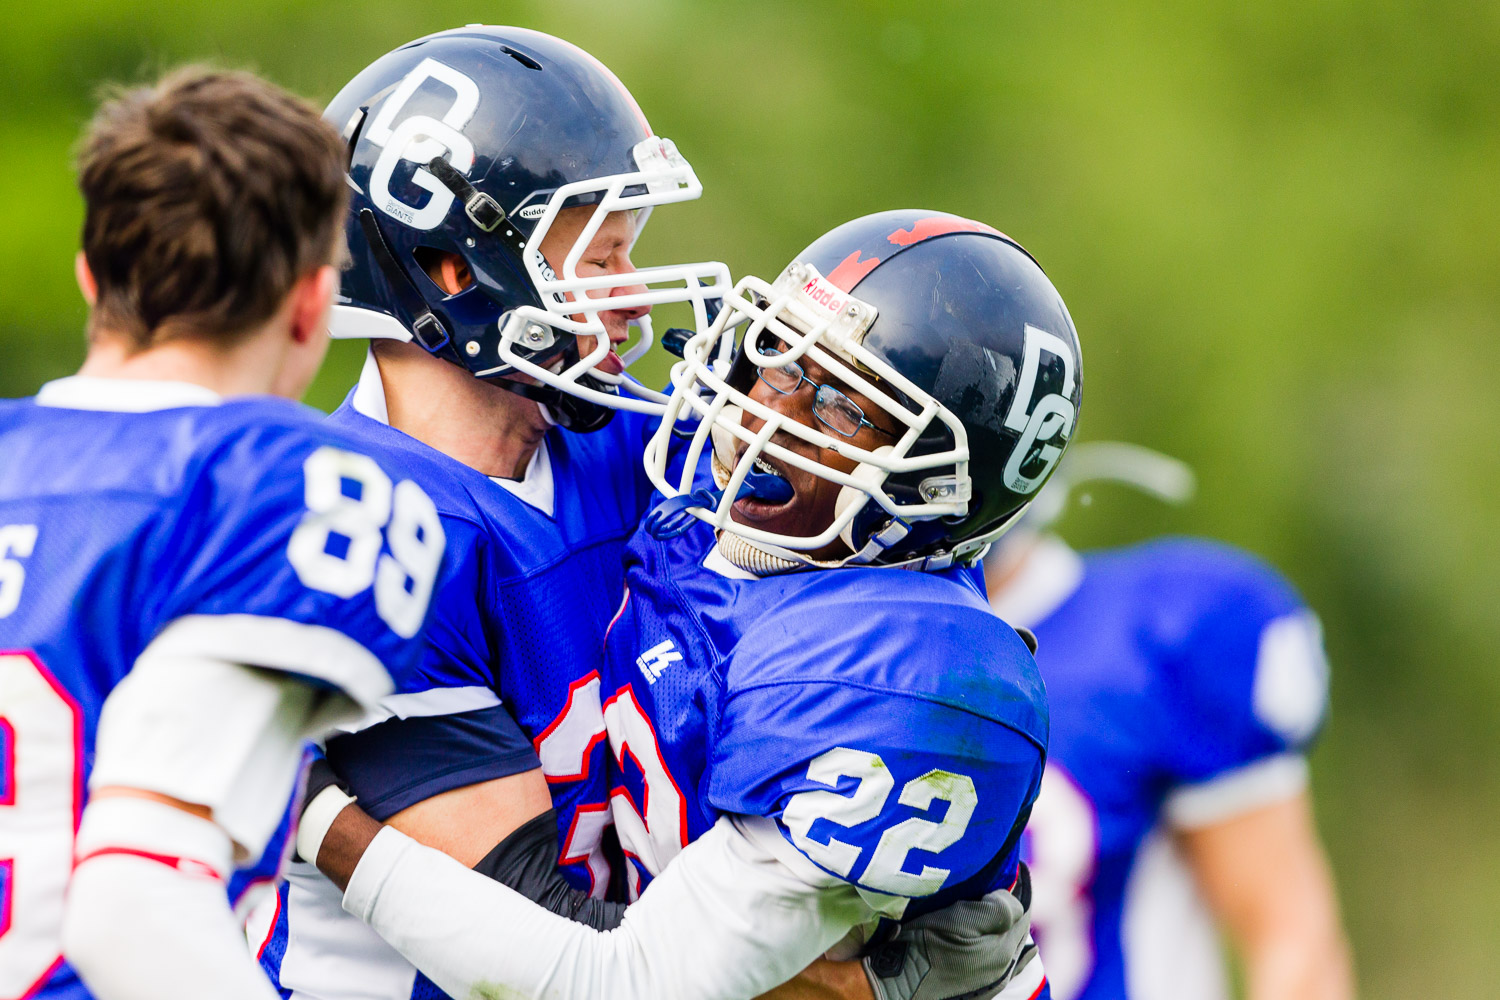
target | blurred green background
x=1275, y=225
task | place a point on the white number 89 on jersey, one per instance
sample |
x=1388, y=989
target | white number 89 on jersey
x=336, y=547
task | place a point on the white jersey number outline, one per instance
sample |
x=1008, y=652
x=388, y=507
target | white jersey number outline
x=652, y=835
x=565, y=748
x=655, y=834
x=41, y=798
x=17, y=540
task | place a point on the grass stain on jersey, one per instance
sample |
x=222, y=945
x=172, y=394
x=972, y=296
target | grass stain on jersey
x=495, y=991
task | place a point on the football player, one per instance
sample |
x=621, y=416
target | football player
x=492, y=270
x=807, y=743
x=195, y=577
x=1187, y=682
x=499, y=179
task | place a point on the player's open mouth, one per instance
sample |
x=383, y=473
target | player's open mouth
x=757, y=508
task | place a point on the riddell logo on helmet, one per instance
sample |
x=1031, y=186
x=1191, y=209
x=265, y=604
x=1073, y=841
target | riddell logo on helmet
x=824, y=294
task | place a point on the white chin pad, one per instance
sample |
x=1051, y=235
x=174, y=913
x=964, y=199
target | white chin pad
x=724, y=443
x=869, y=475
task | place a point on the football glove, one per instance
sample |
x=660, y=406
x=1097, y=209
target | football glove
x=971, y=948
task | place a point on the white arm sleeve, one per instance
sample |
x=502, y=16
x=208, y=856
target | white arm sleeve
x=215, y=734
x=147, y=916
x=147, y=919
x=726, y=919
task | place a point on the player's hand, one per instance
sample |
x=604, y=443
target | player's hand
x=969, y=949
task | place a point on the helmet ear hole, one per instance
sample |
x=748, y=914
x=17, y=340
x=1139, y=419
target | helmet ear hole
x=444, y=268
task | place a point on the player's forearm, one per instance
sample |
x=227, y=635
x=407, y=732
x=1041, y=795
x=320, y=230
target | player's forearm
x=337, y=831
x=186, y=944
x=345, y=843
x=1309, y=964
x=1294, y=948
x=1267, y=879
x=700, y=932
x=526, y=861
x=195, y=758
x=826, y=980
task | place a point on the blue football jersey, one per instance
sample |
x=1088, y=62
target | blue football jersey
x=510, y=674
x=134, y=514
x=1186, y=679
x=888, y=724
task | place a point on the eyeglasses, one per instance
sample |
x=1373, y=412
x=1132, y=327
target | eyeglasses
x=833, y=409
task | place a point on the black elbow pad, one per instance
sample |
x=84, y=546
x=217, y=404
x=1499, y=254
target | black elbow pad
x=527, y=862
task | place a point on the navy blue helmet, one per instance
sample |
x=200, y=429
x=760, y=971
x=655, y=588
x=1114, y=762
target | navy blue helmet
x=948, y=326
x=470, y=142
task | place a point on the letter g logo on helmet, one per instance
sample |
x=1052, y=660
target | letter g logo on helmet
x=417, y=139
x=1051, y=418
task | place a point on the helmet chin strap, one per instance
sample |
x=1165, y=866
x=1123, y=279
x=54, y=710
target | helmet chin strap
x=426, y=329
x=559, y=408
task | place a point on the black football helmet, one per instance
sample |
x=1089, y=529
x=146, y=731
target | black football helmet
x=470, y=142
x=948, y=326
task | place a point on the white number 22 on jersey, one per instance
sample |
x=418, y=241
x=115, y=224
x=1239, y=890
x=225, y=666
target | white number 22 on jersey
x=406, y=515
x=886, y=868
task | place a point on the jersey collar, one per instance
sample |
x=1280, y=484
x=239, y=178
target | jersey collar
x=1048, y=577
x=717, y=562
x=369, y=392
x=123, y=395
x=535, y=488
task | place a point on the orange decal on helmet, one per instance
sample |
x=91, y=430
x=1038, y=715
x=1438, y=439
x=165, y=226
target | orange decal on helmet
x=851, y=269
x=926, y=229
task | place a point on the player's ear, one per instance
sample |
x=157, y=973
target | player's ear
x=311, y=297
x=85, y=276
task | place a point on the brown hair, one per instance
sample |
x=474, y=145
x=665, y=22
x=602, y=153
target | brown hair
x=207, y=196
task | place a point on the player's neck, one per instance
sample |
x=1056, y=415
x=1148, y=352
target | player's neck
x=253, y=366
x=471, y=421
x=1004, y=565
